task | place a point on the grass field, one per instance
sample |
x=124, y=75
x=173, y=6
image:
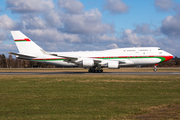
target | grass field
x=41, y=97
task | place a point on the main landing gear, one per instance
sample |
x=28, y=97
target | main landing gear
x=155, y=67
x=95, y=70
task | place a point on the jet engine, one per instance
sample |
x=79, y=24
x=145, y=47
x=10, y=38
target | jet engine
x=113, y=65
x=88, y=63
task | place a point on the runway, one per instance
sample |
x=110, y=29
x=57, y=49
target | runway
x=86, y=73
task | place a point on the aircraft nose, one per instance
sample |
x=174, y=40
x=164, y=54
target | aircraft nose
x=169, y=57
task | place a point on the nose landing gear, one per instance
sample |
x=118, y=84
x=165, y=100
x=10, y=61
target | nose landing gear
x=155, y=68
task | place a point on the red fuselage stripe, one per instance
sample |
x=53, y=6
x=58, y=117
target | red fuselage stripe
x=26, y=39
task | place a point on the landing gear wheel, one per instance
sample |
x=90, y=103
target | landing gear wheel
x=155, y=69
x=90, y=70
x=93, y=70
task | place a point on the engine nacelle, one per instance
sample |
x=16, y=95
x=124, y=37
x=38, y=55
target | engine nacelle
x=88, y=63
x=113, y=65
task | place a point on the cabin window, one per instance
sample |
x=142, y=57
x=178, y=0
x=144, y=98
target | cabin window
x=130, y=50
x=143, y=50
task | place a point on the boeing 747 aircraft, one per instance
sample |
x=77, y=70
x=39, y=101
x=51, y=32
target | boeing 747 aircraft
x=94, y=60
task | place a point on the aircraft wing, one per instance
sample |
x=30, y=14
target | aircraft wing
x=65, y=56
x=102, y=62
x=68, y=58
x=75, y=59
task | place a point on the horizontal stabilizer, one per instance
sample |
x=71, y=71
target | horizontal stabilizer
x=22, y=55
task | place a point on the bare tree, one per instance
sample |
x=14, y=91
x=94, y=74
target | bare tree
x=3, y=61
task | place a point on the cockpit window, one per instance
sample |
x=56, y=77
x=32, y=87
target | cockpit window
x=159, y=49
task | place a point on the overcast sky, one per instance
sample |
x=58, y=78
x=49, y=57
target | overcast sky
x=78, y=25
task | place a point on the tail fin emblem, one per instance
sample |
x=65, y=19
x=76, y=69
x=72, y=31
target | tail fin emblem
x=23, y=40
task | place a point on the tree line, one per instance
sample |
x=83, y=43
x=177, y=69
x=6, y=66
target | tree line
x=11, y=62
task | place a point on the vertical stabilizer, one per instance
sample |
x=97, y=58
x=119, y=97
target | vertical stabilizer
x=24, y=44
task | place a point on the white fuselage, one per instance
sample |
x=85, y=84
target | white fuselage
x=130, y=56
